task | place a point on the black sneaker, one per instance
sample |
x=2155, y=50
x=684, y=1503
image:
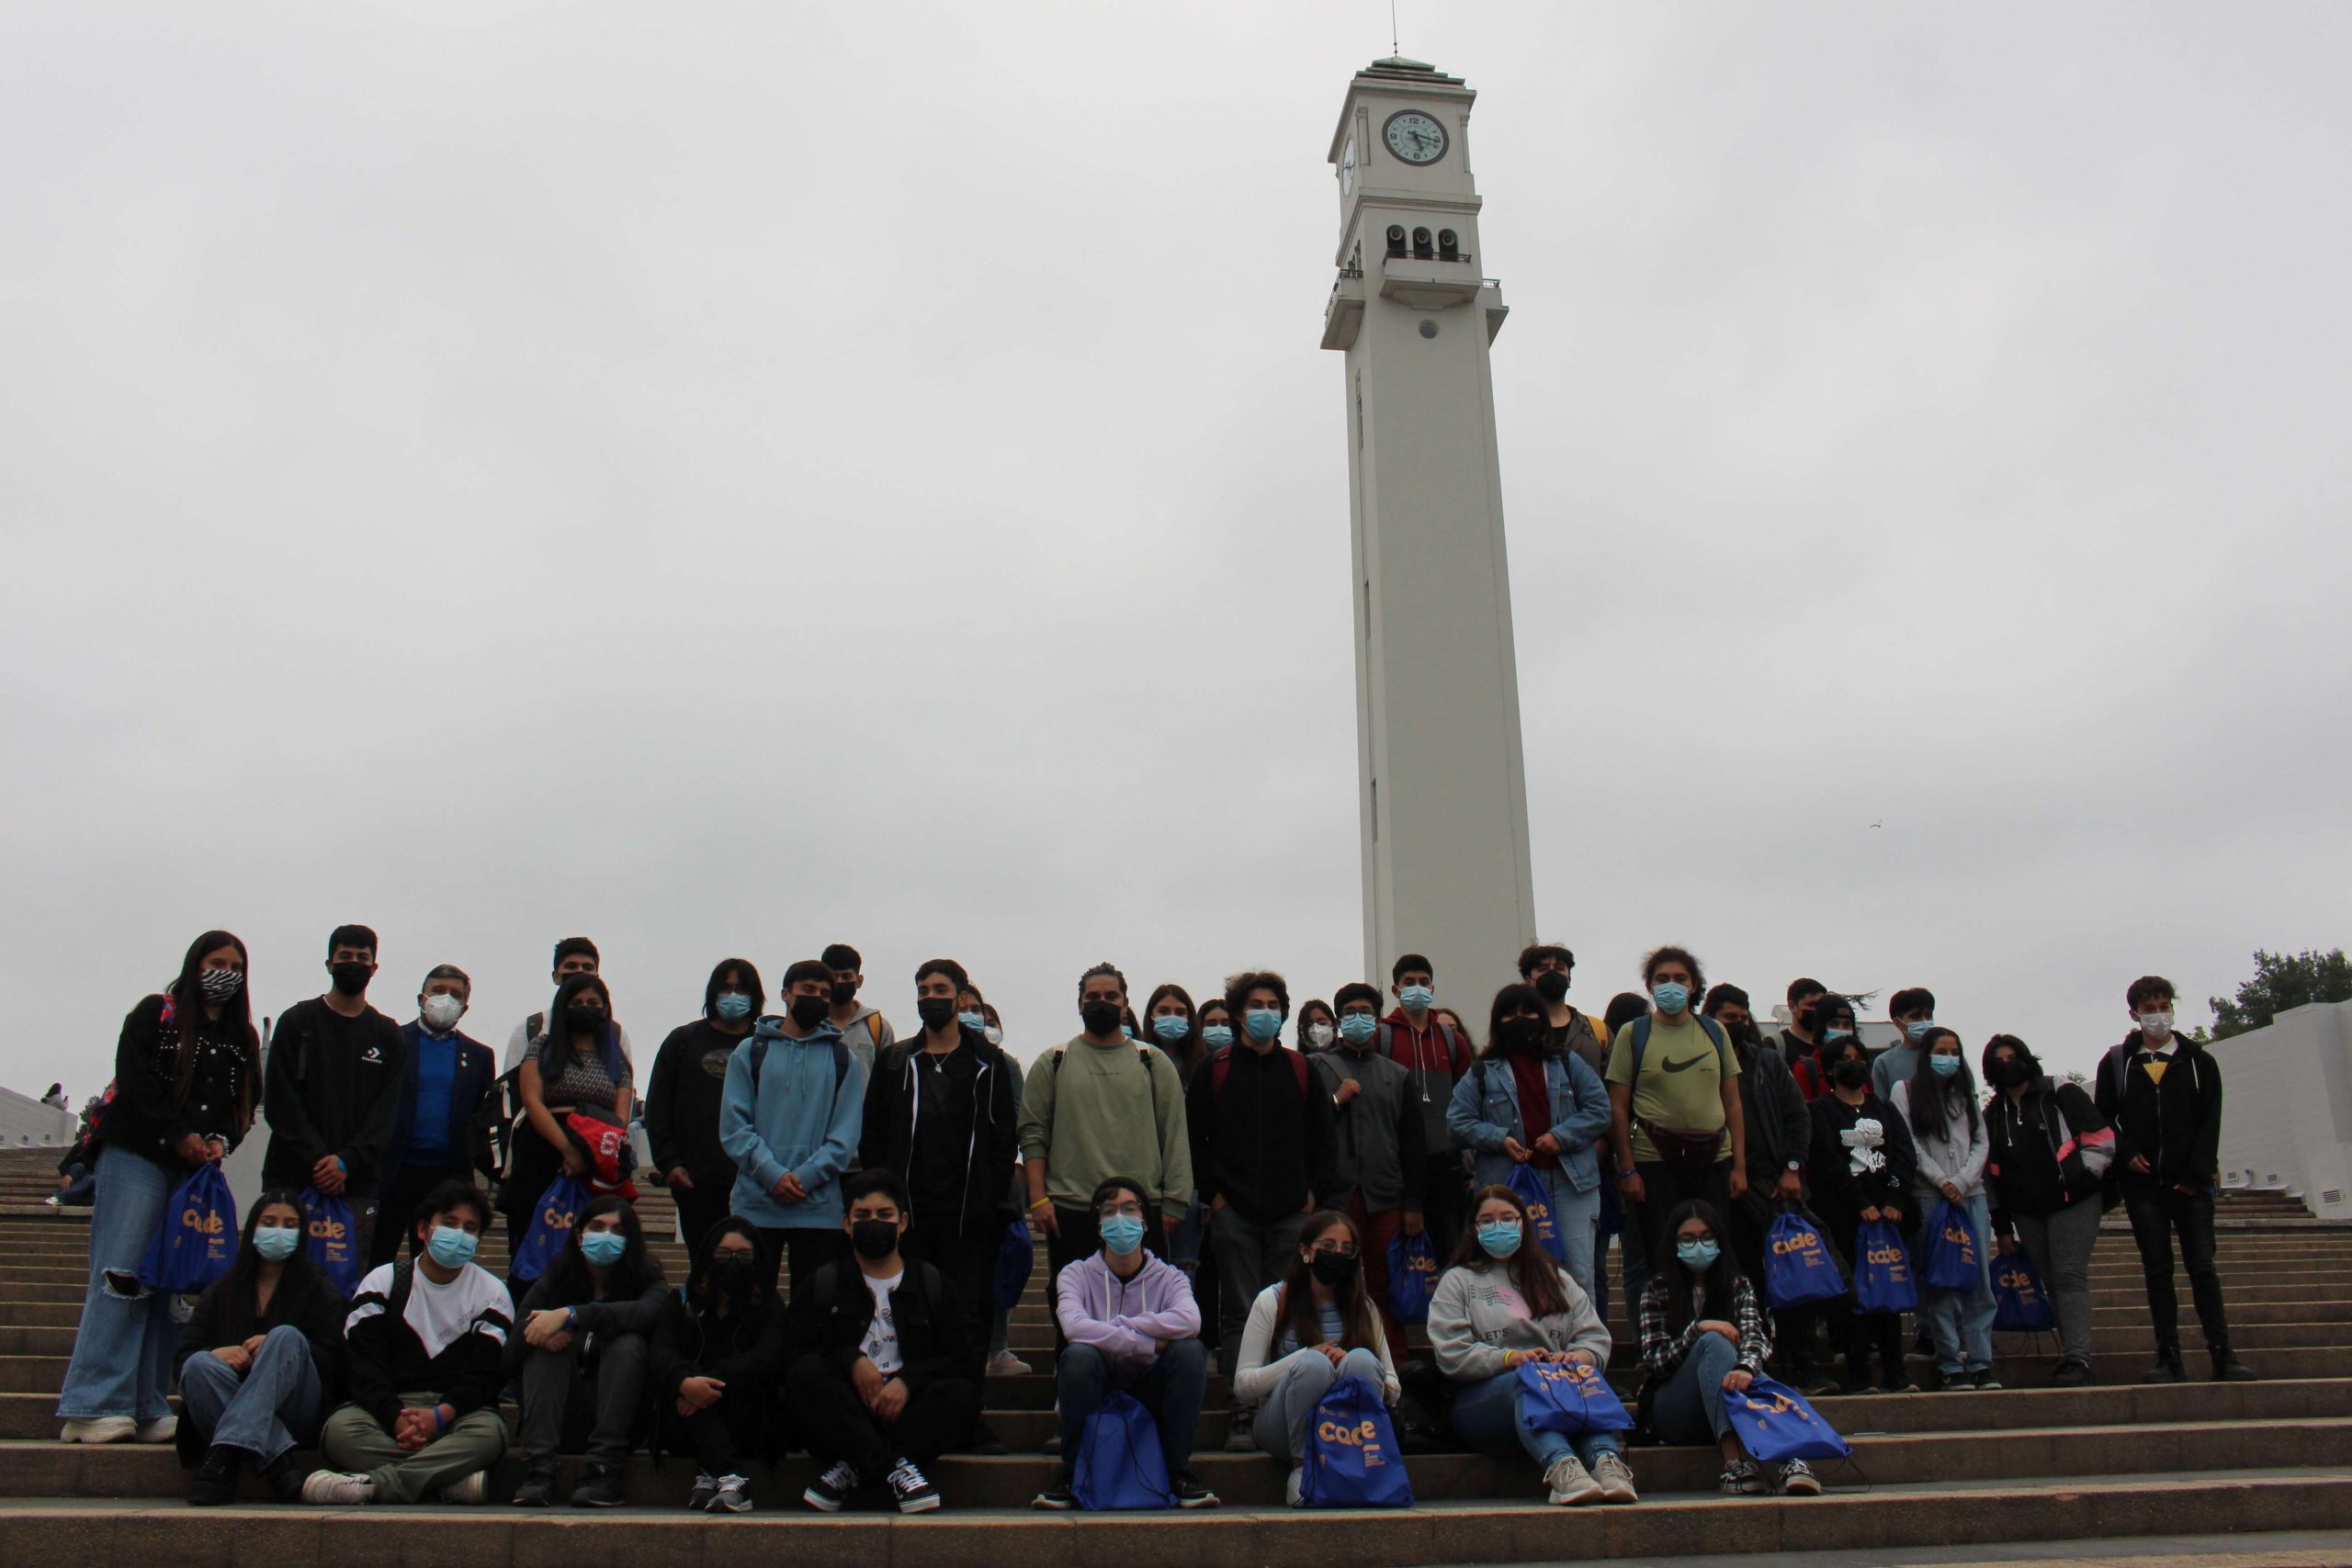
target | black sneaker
x=600, y=1488
x=2226, y=1368
x=537, y=1489
x=284, y=1477
x=1056, y=1495
x=706, y=1489
x=215, y=1481
x=2069, y=1374
x=985, y=1441
x=2166, y=1370
x=1190, y=1492
x=914, y=1493
x=832, y=1489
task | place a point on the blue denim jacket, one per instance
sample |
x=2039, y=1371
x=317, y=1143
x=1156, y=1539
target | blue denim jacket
x=1486, y=1110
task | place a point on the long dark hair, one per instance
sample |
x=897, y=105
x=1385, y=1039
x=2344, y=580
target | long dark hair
x=301, y=1282
x=1359, y=1324
x=569, y=1282
x=749, y=981
x=1185, y=1053
x=186, y=995
x=1718, y=1285
x=1510, y=999
x=555, y=1046
x=700, y=1292
x=1529, y=1270
x=1931, y=1097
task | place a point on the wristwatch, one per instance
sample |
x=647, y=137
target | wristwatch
x=1796, y=1164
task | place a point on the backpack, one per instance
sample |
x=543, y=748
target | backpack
x=490, y=1136
x=1221, y=1068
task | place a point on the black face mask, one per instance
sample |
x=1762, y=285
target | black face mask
x=583, y=1021
x=935, y=1012
x=1331, y=1268
x=1851, y=1073
x=875, y=1239
x=732, y=1275
x=808, y=1012
x=1521, y=1034
x=352, y=979
x=2008, y=1073
x=844, y=991
x=1101, y=1017
x=1552, y=986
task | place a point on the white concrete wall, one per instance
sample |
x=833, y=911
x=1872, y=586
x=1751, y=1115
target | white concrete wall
x=26, y=1123
x=2287, y=1099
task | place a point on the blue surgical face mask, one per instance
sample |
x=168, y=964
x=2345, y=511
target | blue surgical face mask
x=1500, y=1237
x=1359, y=1027
x=973, y=1020
x=1218, y=1035
x=1943, y=1066
x=1171, y=1027
x=1417, y=998
x=1911, y=1031
x=1122, y=1234
x=1697, y=1256
x=603, y=1249
x=277, y=1242
x=1671, y=997
x=452, y=1247
x=1832, y=1036
x=734, y=1006
x=1263, y=1024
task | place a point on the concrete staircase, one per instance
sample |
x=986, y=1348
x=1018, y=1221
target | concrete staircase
x=2022, y=1465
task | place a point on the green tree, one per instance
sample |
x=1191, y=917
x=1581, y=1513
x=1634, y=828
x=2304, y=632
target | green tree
x=2281, y=981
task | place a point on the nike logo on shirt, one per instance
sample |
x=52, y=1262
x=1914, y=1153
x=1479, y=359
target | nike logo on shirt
x=1686, y=1062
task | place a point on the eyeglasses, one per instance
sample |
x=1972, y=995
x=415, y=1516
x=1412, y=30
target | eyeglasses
x=1342, y=1249
x=1118, y=1210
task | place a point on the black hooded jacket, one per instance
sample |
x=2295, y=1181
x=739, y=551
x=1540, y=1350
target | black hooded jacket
x=893, y=1100
x=2174, y=1124
x=742, y=1347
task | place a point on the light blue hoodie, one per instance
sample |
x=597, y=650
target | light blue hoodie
x=811, y=1108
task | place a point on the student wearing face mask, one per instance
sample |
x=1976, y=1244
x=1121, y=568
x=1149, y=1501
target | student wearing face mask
x=1913, y=1010
x=260, y=1360
x=688, y=1089
x=1676, y=1127
x=333, y=1080
x=862, y=1030
x=1504, y=1302
x=449, y=1075
x=581, y=1355
x=883, y=1384
x=575, y=1070
x=1436, y=1054
x=2163, y=1093
x=1378, y=1163
x=1863, y=1165
x=1833, y=1021
x=1319, y=1027
x=716, y=1353
x=2046, y=1149
x=1704, y=1336
x=1217, y=1033
x=1523, y=1106
x=1546, y=966
x=1168, y=1019
x=573, y=955
x=1939, y=1103
x=1305, y=1332
x=790, y=1116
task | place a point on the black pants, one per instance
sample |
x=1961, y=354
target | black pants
x=836, y=1425
x=1445, y=1204
x=1666, y=1185
x=701, y=1207
x=2156, y=1212
x=723, y=1437
x=967, y=1254
x=1860, y=1332
x=1080, y=1236
x=396, y=1215
x=809, y=1250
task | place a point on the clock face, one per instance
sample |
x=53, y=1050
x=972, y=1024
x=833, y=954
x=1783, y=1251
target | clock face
x=1348, y=168
x=1414, y=137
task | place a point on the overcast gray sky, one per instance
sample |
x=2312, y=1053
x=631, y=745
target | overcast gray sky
x=728, y=478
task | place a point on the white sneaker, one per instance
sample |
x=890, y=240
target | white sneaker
x=1570, y=1483
x=333, y=1486
x=1615, y=1478
x=99, y=1429
x=1005, y=1364
x=162, y=1429
x=467, y=1490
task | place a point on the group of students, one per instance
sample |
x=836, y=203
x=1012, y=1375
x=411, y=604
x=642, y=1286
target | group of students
x=1149, y=1151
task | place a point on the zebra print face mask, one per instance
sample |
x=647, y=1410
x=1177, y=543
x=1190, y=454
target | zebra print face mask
x=222, y=985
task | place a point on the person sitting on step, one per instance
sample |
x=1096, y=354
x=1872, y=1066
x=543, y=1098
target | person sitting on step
x=581, y=1353
x=1307, y=1331
x=718, y=1349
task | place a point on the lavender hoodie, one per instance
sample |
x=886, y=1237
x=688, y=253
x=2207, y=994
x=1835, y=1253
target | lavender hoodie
x=1125, y=1319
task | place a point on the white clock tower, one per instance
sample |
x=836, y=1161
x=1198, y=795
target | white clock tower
x=1443, y=784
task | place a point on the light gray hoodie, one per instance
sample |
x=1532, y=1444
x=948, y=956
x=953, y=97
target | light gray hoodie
x=1475, y=1318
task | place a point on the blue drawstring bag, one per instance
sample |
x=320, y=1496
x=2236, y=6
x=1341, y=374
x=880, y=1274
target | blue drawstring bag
x=1351, y=1459
x=1775, y=1425
x=2020, y=1304
x=1798, y=1265
x=333, y=1240
x=1412, y=1276
x=1561, y=1396
x=1119, y=1463
x=198, y=1240
x=1883, y=1278
x=1954, y=1250
x=551, y=1221
x=1014, y=1259
x=1529, y=1188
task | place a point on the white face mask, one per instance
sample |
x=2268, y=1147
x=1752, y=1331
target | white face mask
x=993, y=1034
x=442, y=1013
x=2157, y=1026
x=1320, y=1033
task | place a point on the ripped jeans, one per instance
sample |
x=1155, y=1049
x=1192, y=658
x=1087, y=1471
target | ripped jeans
x=122, y=1353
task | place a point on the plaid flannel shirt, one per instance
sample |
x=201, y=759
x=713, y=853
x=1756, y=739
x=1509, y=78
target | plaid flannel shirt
x=1662, y=1349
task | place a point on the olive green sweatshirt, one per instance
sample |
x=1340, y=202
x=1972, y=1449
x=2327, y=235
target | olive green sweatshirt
x=1094, y=1111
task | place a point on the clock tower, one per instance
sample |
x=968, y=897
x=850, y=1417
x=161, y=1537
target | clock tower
x=1441, y=787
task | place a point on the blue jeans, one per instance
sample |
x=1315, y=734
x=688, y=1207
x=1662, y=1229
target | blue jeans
x=1306, y=1376
x=270, y=1409
x=1486, y=1416
x=1689, y=1405
x=1960, y=1322
x=1184, y=1239
x=1171, y=1388
x=122, y=1354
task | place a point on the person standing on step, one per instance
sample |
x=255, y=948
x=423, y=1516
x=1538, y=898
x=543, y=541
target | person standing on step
x=1937, y=1102
x=1674, y=1104
x=1797, y=1040
x=865, y=1032
x=1132, y=1327
x=573, y=955
x=1912, y=1008
x=1504, y=1304
x=1377, y=1158
x=187, y=1074
x=1862, y=1166
x=792, y=1109
x=684, y=1097
x=1546, y=966
x=575, y=1070
x=1261, y=1149
x=1097, y=1105
x=423, y=1347
x=2047, y=1148
x=1704, y=1336
x=1307, y=1331
x=1168, y=1019
x=1437, y=1055
x=884, y=1381
x=332, y=1088
x=449, y=1075
x=2162, y=1091
x=716, y=1355
x=1779, y=1136
x=580, y=1356
x=260, y=1360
